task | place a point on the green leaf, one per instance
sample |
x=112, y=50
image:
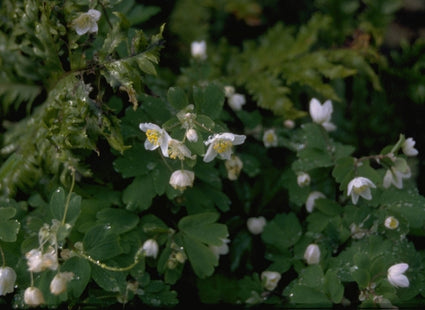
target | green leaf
x=8, y=228
x=139, y=194
x=110, y=281
x=333, y=286
x=136, y=161
x=82, y=272
x=177, y=98
x=301, y=294
x=100, y=243
x=58, y=206
x=119, y=221
x=283, y=231
x=209, y=100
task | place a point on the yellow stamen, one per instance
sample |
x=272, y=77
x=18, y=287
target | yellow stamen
x=153, y=136
x=360, y=189
x=270, y=137
x=222, y=146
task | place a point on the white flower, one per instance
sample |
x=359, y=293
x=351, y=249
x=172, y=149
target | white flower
x=408, y=147
x=222, y=249
x=191, y=135
x=86, y=22
x=150, y=248
x=177, y=149
x=360, y=186
x=7, y=280
x=270, y=138
x=59, y=282
x=221, y=145
x=180, y=179
x=234, y=166
x=312, y=254
x=289, y=123
x=37, y=261
x=33, y=297
x=199, y=49
x=391, y=222
x=396, y=277
x=236, y=101
x=395, y=177
x=309, y=205
x=270, y=279
x=229, y=91
x=256, y=225
x=155, y=137
x=321, y=114
x=303, y=179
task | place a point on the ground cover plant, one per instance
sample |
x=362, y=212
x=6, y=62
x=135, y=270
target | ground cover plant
x=250, y=153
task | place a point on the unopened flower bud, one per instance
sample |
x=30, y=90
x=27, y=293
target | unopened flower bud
x=303, y=179
x=33, y=297
x=150, y=248
x=59, y=282
x=289, y=123
x=312, y=254
x=7, y=280
x=256, y=225
x=270, y=279
x=192, y=135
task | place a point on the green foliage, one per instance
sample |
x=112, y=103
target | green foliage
x=149, y=174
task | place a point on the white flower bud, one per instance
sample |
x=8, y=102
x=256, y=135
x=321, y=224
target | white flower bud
x=321, y=114
x=33, y=297
x=408, y=147
x=59, y=282
x=309, y=205
x=233, y=166
x=236, y=101
x=199, y=49
x=289, y=123
x=391, y=222
x=7, y=280
x=192, y=135
x=222, y=249
x=270, y=279
x=303, y=179
x=150, y=248
x=229, y=91
x=180, y=179
x=396, y=277
x=256, y=225
x=312, y=254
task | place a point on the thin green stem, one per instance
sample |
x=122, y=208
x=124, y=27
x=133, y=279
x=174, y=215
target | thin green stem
x=111, y=268
x=2, y=257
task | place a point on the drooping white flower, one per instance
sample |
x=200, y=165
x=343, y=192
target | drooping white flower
x=396, y=277
x=155, y=137
x=33, y=297
x=7, y=280
x=309, y=205
x=408, y=147
x=37, y=261
x=321, y=114
x=391, y=222
x=221, y=145
x=181, y=179
x=234, y=166
x=191, y=135
x=177, y=149
x=222, y=249
x=50, y=259
x=270, y=279
x=312, y=254
x=150, y=248
x=395, y=177
x=270, y=138
x=199, y=49
x=360, y=186
x=59, y=282
x=236, y=101
x=256, y=224
x=303, y=179
x=86, y=22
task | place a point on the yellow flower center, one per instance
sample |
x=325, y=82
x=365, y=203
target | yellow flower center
x=360, y=189
x=222, y=146
x=153, y=136
x=270, y=137
x=392, y=223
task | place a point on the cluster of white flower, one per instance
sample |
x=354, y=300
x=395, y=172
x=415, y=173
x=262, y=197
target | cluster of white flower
x=234, y=100
x=218, y=145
